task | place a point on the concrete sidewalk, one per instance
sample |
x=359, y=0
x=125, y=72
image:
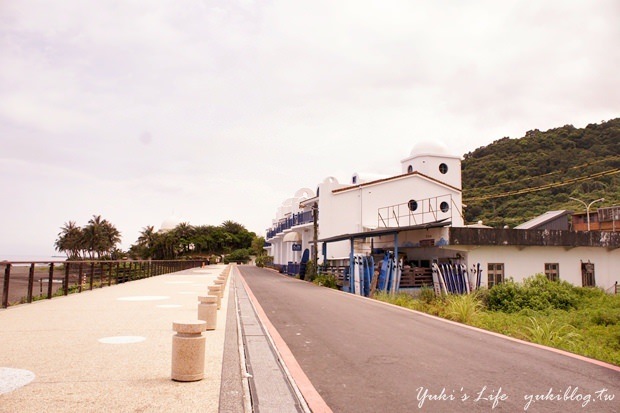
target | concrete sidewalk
x=109, y=349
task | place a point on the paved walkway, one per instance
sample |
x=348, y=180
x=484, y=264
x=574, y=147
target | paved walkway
x=109, y=349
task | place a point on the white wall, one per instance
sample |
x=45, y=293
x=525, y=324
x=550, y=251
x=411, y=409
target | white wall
x=523, y=263
x=356, y=209
x=429, y=165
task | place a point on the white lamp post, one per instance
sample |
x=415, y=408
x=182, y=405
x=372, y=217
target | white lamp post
x=587, y=207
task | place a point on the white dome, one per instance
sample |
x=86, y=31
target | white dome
x=430, y=148
x=330, y=180
x=170, y=223
x=306, y=193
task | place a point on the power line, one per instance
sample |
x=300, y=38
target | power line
x=529, y=178
x=544, y=187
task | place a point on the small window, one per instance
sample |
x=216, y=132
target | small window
x=587, y=274
x=552, y=271
x=413, y=205
x=443, y=168
x=354, y=179
x=444, y=206
x=409, y=169
x=495, y=274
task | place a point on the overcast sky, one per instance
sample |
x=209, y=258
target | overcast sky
x=217, y=110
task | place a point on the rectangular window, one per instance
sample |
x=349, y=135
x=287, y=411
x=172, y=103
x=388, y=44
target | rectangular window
x=587, y=274
x=495, y=274
x=552, y=271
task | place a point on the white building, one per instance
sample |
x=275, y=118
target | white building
x=419, y=215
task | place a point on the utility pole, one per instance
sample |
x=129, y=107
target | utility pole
x=315, y=237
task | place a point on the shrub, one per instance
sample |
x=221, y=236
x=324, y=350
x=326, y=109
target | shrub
x=311, y=272
x=263, y=260
x=536, y=293
x=606, y=317
x=325, y=280
x=427, y=295
x=241, y=255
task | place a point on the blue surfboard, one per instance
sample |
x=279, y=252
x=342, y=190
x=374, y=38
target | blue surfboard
x=304, y=262
x=382, y=284
x=371, y=272
x=390, y=272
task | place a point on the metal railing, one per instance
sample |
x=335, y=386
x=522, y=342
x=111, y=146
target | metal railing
x=57, y=278
x=294, y=220
x=416, y=212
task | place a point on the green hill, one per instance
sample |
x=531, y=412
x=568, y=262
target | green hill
x=513, y=180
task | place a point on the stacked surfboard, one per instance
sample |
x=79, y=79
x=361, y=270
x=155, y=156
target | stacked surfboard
x=363, y=270
x=455, y=279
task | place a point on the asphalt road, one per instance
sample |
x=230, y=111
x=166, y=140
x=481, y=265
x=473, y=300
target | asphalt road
x=365, y=356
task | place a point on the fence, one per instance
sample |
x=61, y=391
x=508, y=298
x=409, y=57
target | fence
x=55, y=278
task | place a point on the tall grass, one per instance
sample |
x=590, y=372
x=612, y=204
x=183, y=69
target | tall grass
x=463, y=308
x=552, y=334
x=585, y=321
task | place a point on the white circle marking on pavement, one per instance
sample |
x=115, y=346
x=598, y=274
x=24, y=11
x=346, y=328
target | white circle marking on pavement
x=12, y=379
x=122, y=339
x=144, y=298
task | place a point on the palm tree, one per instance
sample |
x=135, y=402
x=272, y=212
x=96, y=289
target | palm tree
x=111, y=237
x=93, y=236
x=70, y=240
x=100, y=237
x=146, y=241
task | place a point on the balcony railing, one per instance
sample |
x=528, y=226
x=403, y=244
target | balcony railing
x=294, y=220
x=55, y=278
x=416, y=212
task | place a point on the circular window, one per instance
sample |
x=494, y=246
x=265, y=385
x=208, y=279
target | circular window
x=443, y=168
x=409, y=169
x=413, y=205
x=444, y=207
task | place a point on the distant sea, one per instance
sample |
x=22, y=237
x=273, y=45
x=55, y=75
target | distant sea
x=25, y=257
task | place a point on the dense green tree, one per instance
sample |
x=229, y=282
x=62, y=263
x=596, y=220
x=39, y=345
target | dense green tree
x=257, y=246
x=188, y=240
x=513, y=180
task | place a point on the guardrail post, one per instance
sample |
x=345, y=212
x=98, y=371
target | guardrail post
x=92, y=274
x=80, y=277
x=5, y=287
x=50, y=281
x=30, y=283
x=66, y=282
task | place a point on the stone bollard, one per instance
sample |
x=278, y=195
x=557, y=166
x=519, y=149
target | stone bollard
x=221, y=283
x=217, y=291
x=207, y=311
x=188, y=351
